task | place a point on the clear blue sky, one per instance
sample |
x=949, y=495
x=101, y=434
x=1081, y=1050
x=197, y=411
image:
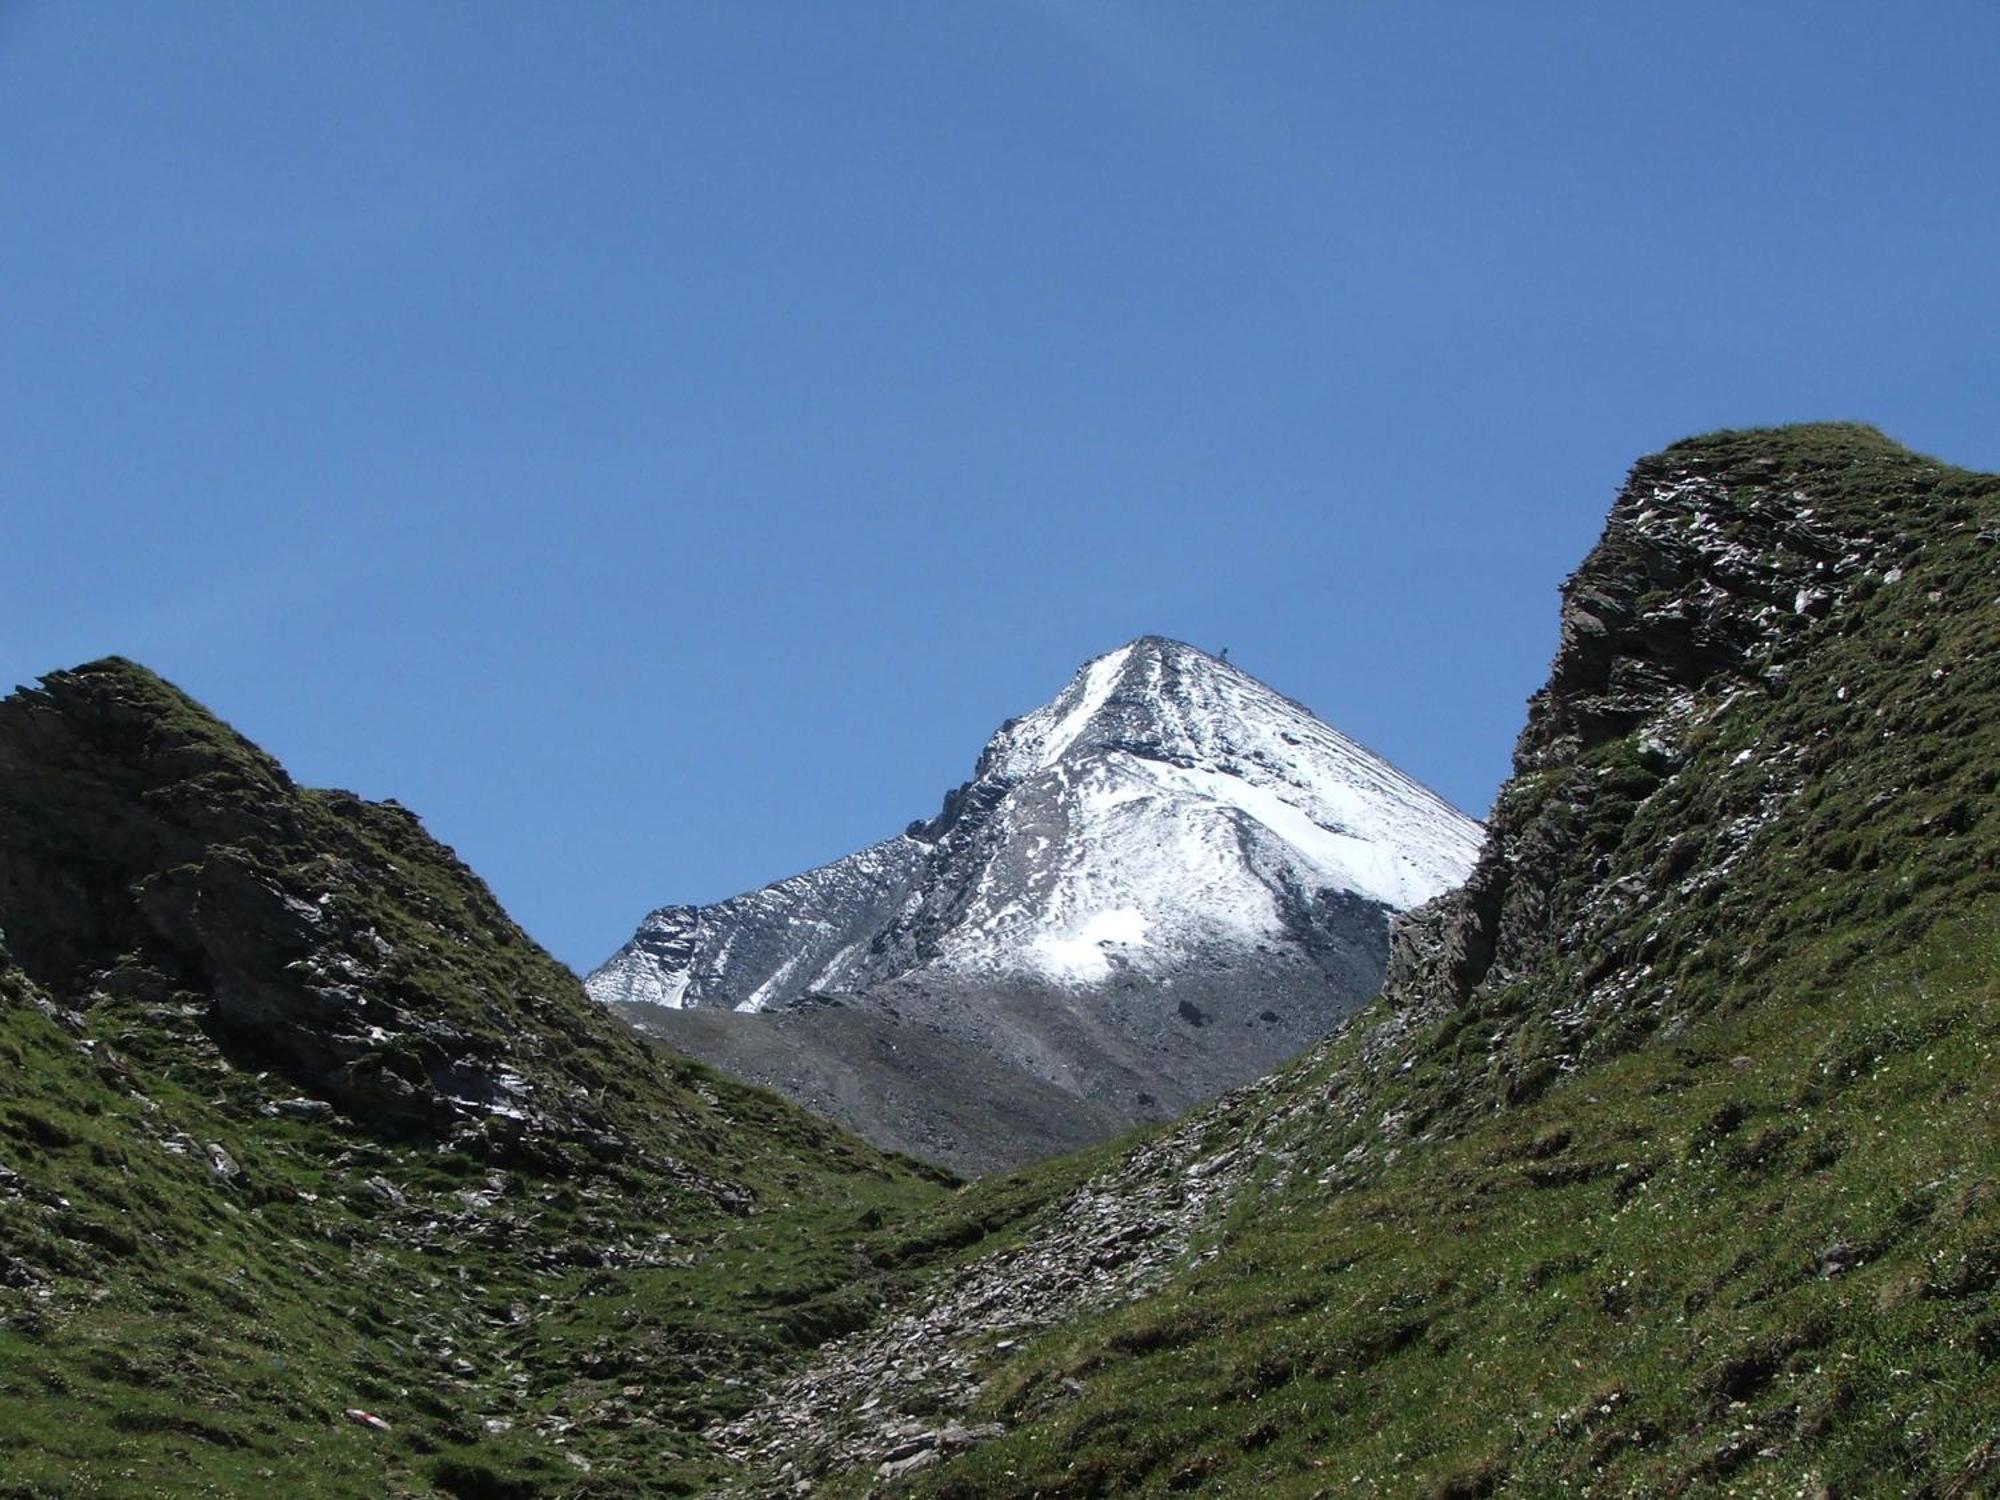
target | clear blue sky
x=660, y=442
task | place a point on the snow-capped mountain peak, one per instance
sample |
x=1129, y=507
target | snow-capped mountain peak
x=1162, y=883
x=1164, y=808
x=1173, y=803
x=1158, y=697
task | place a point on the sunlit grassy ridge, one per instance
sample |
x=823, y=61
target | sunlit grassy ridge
x=1670, y=1271
x=1696, y=1192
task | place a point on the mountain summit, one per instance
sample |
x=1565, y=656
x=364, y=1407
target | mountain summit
x=1157, y=885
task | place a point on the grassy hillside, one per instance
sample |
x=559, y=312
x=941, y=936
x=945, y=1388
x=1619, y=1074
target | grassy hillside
x=1665, y=1165
x=1668, y=1164
x=293, y=1120
x=1675, y=1273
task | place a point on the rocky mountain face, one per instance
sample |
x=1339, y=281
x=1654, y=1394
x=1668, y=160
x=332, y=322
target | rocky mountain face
x=1667, y=1161
x=1731, y=572
x=1162, y=883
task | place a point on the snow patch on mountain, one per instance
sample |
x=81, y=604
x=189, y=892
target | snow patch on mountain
x=1081, y=955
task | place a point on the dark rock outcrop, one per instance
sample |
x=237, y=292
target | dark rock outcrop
x=149, y=851
x=1720, y=561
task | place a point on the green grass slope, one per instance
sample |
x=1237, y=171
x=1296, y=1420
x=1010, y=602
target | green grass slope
x=294, y=1121
x=1668, y=1163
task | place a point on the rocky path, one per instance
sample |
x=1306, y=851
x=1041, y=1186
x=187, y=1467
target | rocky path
x=895, y=1396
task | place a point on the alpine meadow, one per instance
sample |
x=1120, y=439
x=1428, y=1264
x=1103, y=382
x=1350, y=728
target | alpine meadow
x=1022, y=750
x=1662, y=1164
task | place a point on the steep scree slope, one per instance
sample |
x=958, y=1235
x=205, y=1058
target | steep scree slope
x=1667, y=1162
x=1162, y=883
